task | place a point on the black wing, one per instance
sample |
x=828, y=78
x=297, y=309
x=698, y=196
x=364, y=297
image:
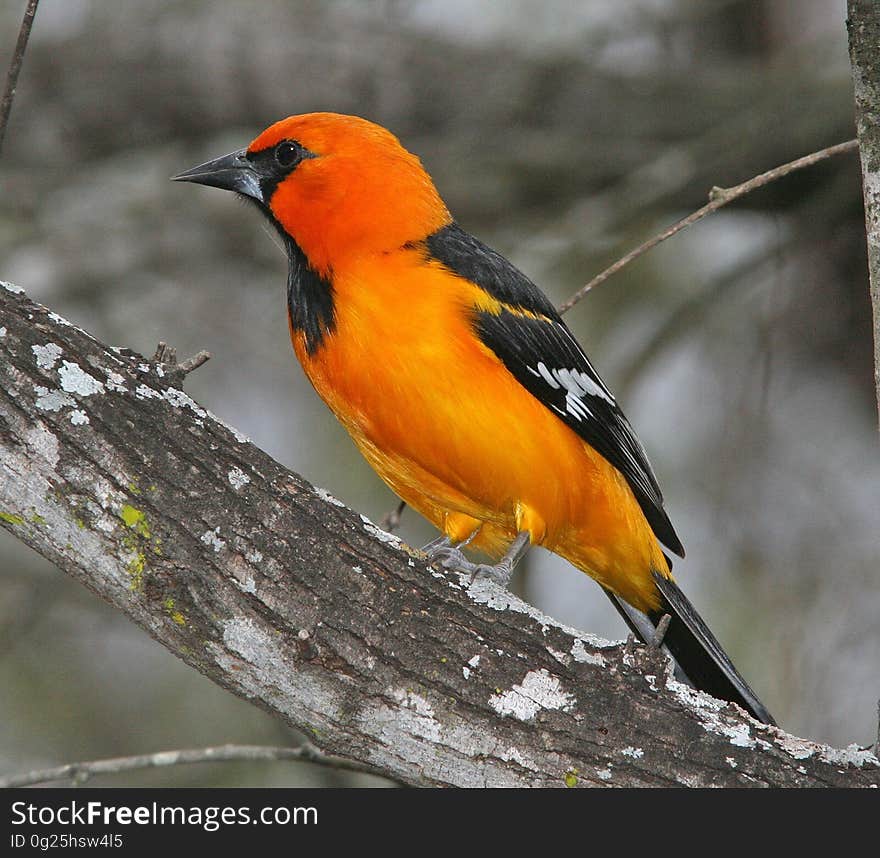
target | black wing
x=536, y=346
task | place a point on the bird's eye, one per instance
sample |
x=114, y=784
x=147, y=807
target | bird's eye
x=287, y=154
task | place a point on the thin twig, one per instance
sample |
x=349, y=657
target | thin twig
x=167, y=356
x=80, y=772
x=194, y=362
x=660, y=631
x=391, y=520
x=15, y=66
x=718, y=197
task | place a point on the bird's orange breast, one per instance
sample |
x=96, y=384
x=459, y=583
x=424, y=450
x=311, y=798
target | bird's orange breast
x=457, y=437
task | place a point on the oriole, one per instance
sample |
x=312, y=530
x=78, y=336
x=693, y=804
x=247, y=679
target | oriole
x=458, y=380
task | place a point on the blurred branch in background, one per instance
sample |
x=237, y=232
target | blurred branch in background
x=718, y=197
x=79, y=773
x=864, y=44
x=15, y=66
x=737, y=281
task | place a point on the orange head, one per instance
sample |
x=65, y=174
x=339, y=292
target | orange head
x=338, y=186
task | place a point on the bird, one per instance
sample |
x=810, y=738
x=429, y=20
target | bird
x=460, y=383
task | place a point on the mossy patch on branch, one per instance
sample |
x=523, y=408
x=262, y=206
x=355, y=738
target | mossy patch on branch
x=136, y=521
x=172, y=612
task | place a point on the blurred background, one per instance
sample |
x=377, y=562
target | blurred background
x=560, y=133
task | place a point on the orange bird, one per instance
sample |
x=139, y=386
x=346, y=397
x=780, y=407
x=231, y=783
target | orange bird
x=459, y=381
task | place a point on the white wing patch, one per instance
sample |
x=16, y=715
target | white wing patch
x=547, y=375
x=577, y=385
x=575, y=406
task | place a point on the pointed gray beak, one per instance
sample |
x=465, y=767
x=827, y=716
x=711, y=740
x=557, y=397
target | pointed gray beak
x=232, y=172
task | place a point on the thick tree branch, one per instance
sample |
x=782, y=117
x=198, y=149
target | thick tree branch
x=282, y=595
x=863, y=23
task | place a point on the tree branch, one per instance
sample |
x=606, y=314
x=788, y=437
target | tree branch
x=79, y=773
x=15, y=66
x=863, y=25
x=279, y=593
x=718, y=198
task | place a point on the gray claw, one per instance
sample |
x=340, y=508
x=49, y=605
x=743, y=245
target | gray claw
x=449, y=556
x=499, y=574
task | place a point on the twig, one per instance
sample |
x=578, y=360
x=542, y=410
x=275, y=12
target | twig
x=80, y=772
x=718, y=197
x=194, y=362
x=167, y=356
x=391, y=520
x=660, y=631
x=15, y=66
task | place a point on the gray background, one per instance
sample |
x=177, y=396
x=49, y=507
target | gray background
x=560, y=133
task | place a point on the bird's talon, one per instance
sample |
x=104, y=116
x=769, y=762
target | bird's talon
x=448, y=556
x=499, y=574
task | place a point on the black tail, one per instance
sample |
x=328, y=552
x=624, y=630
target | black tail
x=699, y=656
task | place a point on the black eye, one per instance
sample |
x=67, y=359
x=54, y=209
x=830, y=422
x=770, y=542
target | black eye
x=288, y=154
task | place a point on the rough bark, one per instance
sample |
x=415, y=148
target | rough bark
x=863, y=25
x=279, y=593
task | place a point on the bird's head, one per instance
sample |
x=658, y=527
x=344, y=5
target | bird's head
x=336, y=185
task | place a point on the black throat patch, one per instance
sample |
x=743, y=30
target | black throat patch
x=309, y=298
x=309, y=294
x=310, y=303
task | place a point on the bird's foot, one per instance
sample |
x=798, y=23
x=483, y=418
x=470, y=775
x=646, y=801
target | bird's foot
x=450, y=556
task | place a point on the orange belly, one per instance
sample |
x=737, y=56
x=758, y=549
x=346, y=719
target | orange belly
x=456, y=436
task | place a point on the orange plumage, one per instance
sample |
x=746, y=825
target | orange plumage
x=454, y=374
x=434, y=411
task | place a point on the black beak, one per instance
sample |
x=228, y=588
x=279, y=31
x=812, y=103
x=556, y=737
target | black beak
x=232, y=172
